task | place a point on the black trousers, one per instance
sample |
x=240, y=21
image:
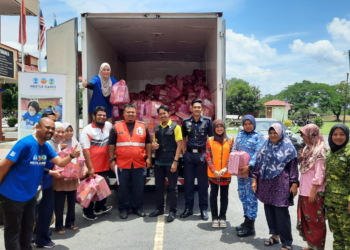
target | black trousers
x=45, y=213
x=160, y=172
x=278, y=220
x=19, y=218
x=98, y=205
x=130, y=190
x=60, y=198
x=195, y=165
x=214, y=192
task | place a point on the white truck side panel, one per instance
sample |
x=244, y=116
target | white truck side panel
x=62, y=58
x=219, y=67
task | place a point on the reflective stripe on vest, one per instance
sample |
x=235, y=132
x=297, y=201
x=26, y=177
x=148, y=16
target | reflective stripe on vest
x=130, y=144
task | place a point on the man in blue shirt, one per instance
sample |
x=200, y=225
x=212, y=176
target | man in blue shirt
x=20, y=175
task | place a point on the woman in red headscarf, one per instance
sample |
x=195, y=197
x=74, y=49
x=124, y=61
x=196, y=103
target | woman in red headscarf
x=311, y=214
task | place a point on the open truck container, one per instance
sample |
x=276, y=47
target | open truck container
x=141, y=48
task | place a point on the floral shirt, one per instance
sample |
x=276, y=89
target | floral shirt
x=250, y=143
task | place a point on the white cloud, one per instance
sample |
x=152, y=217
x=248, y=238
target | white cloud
x=339, y=29
x=280, y=37
x=319, y=50
x=247, y=50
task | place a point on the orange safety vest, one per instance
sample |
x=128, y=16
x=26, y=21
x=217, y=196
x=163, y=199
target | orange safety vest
x=130, y=149
x=220, y=154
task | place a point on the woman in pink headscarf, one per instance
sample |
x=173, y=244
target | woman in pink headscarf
x=311, y=215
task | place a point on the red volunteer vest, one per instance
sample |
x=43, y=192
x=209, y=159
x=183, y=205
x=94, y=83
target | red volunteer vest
x=130, y=149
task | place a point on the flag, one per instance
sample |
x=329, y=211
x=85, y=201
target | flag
x=42, y=27
x=54, y=20
x=23, y=20
x=286, y=106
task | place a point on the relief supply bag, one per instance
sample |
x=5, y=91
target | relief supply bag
x=85, y=192
x=119, y=93
x=237, y=161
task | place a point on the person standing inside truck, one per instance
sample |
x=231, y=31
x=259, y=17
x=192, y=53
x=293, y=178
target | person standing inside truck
x=94, y=142
x=196, y=128
x=130, y=154
x=168, y=143
x=101, y=85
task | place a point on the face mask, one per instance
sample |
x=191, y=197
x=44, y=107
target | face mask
x=32, y=113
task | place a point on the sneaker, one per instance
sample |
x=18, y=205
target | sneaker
x=89, y=217
x=104, y=210
x=49, y=245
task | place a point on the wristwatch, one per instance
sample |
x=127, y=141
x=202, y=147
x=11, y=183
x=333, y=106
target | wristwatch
x=112, y=160
x=71, y=156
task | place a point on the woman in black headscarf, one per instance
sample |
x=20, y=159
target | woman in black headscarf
x=337, y=190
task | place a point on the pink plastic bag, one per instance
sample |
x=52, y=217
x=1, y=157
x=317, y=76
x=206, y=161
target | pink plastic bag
x=115, y=112
x=73, y=169
x=85, y=192
x=151, y=108
x=174, y=93
x=102, y=188
x=237, y=161
x=119, y=93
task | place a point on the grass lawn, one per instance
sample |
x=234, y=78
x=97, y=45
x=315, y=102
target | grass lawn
x=324, y=130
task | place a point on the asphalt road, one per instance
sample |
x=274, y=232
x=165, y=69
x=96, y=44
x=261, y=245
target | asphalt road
x=110, y=232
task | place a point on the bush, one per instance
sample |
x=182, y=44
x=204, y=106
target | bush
x=318, y=121
x=12, y=121
x=287, y=123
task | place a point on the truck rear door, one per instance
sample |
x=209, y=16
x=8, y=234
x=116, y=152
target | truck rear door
x=62, y=58
x=223, y=71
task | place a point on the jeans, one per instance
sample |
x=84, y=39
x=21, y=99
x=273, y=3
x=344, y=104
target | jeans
x=160, y=172
x=214, y=191
x=19, y=218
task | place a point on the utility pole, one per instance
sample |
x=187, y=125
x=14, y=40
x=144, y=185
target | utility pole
x=346, y=95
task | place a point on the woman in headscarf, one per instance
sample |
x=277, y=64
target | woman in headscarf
x=311, y=214
x=275, y=183
x=58, y=113
x=248, y=140
x=337, y=190
x=218, y=150
x=101, y=85
x=66, y=188
x=46, y=205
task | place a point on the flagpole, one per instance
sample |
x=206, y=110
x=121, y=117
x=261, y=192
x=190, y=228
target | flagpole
x=54, y=18
x=22, y=37
x=39, y=40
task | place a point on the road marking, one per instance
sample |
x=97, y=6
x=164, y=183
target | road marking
x=159, y=236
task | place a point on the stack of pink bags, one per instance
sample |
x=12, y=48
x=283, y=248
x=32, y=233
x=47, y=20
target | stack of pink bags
x=237, y=161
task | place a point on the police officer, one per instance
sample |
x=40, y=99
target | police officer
x=197, y=128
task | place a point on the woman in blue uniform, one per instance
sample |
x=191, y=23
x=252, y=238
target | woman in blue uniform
x=32, y=116
x=250, y=141
x=101, y=85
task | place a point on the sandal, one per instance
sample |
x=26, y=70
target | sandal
x=215, y=223
x=271, y=241
x=286, y=247
x=61, y=231
x=73, y=227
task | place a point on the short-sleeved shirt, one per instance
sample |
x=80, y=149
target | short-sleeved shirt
x=24, y=176
x=98, y=99
x=95, y=140
x=31, y=120
x=197, y=131
x=178, y=137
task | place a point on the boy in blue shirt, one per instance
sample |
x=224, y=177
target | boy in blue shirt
x=20, y=176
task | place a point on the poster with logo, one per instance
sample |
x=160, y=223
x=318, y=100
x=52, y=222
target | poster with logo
x=39, y=93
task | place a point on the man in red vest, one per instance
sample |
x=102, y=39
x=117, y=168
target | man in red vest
x=130, y=151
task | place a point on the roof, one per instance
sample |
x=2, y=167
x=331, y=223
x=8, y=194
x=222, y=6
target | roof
x=276, y=103
x=27, y=68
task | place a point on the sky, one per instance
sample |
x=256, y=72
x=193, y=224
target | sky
x=270, y=43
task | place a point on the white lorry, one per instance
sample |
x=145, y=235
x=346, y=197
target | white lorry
x=141, y=48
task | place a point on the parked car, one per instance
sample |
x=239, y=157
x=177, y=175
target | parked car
x=263, y=125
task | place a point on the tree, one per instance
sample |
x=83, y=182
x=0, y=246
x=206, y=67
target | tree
x=242, y=98
x=9, y=97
